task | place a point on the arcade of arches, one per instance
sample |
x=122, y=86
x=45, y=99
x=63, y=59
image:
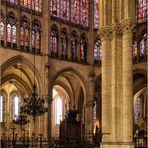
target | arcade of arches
x=88, y=56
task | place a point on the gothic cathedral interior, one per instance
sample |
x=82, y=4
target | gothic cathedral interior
x=73, y=73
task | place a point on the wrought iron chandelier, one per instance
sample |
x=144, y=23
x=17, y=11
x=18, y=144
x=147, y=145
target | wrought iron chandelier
x=34, y=106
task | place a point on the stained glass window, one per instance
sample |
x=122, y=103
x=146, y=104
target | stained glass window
x=15, y=106
x=97, y=51
x=83, y=50
x=64, y=9
x=14, y=34
x=11, y=30
x=137, y=109
x=63, y=44
x=54, y=7
x=2, y=108
x=26, y=3
x=74, y=47
x=141, y=11
x=36, y=37
x=33, y=39
x=143, y=45
x=96, y=14
x=75, y=9
x=135, y=50
x=84, y=12
x=37, y=5
x=53, y=42
x=94, y=112
x=2, y=27
x=13, y=1
x=24, y=33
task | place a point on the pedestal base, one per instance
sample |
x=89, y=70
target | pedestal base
x=117, y=145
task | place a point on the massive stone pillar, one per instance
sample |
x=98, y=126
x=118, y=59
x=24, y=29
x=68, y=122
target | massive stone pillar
x=116, y=36
x=106, y=84
x=127, y=83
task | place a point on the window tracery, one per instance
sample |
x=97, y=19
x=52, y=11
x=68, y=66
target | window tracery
x=11, y=30
x=75, y=11
x=54, y=42
x=36, y=36
x=24, y=33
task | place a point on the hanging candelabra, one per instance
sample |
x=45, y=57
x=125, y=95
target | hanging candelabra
x=34, y=106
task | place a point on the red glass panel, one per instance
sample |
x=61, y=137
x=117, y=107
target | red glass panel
x=75, y=9
x=84, y=12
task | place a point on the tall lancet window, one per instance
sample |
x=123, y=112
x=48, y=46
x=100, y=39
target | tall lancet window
x=11, y=31
x=74, y=47
x=137, y=109
x=24, y=34
x=53, y=42
x=143, y=46
x=2, y=108
x=97, y=51
x=94, y=112
x=63, y=44
x=36, y=36
x=54, y=7
x=135, y=51
x=2, y=29
x=64, y=9
x=83, y=50
x=59, y=112
x=84, y=12
x=141, y=10
x=96, y=14
x=75, y=11
x=15, y=106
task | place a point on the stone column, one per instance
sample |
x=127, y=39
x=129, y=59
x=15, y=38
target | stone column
x=127, y=106
x=88, y=116
x=90, y=44
x=114, y=84
x=46, y=66
x=106, y=82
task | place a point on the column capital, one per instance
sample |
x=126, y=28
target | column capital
x=128, y=26
x=105, y=33
x=116, y=31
